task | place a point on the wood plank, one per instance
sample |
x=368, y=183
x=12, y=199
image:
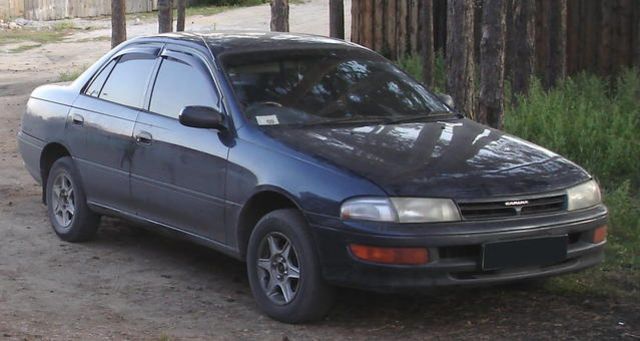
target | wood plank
x=355, y=21
x=367, y=23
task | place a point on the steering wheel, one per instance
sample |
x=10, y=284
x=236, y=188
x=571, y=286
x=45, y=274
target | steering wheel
x=256, y=108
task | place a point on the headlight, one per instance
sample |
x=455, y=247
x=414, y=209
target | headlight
x=584, y=195
x=400, y=210
x=374, y=209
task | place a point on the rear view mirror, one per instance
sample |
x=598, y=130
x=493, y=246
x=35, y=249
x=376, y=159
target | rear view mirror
x=202, y=117
x=447, y=99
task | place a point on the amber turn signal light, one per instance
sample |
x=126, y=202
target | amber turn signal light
x=600, y=234
x=390, y=255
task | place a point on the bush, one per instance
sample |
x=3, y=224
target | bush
x=413, y=65
x=578, y=120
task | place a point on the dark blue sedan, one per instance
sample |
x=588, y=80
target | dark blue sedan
x=316, y=161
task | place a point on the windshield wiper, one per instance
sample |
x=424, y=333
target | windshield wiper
x=434, y=115
x=347, y=120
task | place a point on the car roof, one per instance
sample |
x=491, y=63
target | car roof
x=246, y=41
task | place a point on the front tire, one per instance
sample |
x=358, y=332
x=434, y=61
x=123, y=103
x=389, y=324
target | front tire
x=284, y=271
x=70, y=217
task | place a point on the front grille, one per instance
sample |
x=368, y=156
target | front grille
x=511, y=208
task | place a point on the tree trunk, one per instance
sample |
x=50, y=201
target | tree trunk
x=460, y=62
x=336, y=18
x=557, y=65
x=624, y=42
x=378, y=25
x=165, y=20
x=492, y=44
x=524, y=45
x=440, y=26
x=413, y=20
x=118, y=22
x=573, y=37
x=426, y=22
x=280, y=15
x=635, y=40
x=477, y=28
x=542, y=38
x=390, y=45
x=366, y=23
x=182, y=15
x=510, y=42
x=401, y=32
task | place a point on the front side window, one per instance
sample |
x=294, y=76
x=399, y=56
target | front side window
x=326, y=86
x=178, y=85
x=128, y=80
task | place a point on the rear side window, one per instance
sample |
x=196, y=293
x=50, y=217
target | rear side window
x=96, y=85
x=128, y=80
x=179, y=85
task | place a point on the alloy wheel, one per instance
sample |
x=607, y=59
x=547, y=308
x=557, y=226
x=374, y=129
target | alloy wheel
x=278, y=268
x=63, y=201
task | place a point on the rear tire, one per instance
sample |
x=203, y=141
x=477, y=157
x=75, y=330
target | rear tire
x=70, y=217
x=284, y=271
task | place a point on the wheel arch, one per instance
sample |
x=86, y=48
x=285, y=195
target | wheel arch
x=262, y=202
x=50, y=154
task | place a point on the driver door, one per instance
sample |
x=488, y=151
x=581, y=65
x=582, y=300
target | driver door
x=178, y=172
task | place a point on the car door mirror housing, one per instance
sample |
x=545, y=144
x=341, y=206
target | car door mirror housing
x=202, y=117
x=447, y=99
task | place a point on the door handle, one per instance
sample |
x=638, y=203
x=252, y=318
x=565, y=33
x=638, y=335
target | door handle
x=144, y=137
x=77, y=119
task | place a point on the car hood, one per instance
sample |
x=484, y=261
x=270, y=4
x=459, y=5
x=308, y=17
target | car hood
x=458, y=159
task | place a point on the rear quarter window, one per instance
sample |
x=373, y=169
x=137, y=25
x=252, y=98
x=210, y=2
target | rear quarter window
x=128, y=80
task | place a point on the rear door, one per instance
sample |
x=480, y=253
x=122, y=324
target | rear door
x=101, y=125
x=178, y=172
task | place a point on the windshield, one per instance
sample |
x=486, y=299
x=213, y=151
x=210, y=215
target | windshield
x=326, y=86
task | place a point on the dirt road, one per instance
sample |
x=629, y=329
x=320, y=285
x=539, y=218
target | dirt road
x=133, y=284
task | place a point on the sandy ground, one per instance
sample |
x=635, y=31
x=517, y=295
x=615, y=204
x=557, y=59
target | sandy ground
x=134, y=284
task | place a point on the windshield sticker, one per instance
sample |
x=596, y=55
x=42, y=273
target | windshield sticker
x=267, y=120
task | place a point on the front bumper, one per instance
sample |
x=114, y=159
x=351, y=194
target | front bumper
x=455, y=250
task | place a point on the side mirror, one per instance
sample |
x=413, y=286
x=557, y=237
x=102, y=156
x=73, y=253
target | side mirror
x=447, y=99
x=202, y=117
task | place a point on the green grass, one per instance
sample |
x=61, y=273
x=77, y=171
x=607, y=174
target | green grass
x=191, y=11
x=40, y=37
x=204, y=10
x=71, y=75
x=63, y=25
x=24, y=47
x=596, y=125
x=87, y=40
x=58, y=31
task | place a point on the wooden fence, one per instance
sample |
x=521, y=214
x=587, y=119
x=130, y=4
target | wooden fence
x=602, y=35
x=62, y=9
